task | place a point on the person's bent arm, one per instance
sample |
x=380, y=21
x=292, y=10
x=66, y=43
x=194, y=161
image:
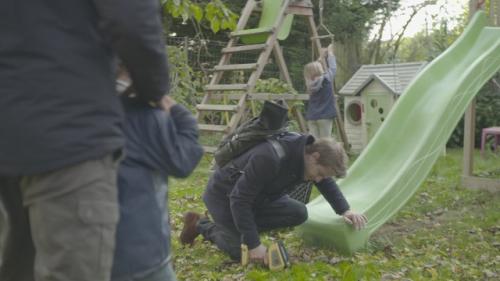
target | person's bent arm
x=134, y=30
x=166, y=141
x=330, y=190
x=331, y=68
x=178, y=149
x=182, y=150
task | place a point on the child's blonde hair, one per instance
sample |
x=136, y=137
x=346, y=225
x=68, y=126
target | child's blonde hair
x=312, y=70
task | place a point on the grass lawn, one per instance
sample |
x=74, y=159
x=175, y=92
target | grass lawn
x=445, y=232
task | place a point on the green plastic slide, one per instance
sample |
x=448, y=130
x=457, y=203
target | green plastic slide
x=270, y=10
x=403, y=151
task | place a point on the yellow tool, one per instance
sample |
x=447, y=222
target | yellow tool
x=277, y=256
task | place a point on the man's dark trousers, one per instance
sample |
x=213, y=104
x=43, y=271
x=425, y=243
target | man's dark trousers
x=280, y=213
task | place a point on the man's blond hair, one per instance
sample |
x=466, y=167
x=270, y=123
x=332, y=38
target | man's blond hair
x=331, y=155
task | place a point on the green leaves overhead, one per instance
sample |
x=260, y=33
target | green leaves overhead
x=212, y=13
x=197, y=12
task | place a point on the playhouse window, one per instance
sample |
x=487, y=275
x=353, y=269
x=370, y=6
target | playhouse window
x=354, y=113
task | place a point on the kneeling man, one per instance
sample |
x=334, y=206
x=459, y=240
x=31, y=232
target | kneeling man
x=249, y=194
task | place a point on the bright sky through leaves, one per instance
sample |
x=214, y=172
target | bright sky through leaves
x=448, y=9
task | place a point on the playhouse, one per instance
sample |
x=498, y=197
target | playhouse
x=369, y=96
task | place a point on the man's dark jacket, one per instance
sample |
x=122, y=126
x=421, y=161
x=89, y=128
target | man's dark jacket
x=57, y=83
x=259, y=176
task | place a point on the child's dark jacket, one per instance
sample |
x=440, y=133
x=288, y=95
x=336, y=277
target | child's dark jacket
x=158, y=144
x=321, y=100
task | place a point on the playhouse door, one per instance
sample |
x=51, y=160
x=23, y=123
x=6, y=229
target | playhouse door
x=377, y=106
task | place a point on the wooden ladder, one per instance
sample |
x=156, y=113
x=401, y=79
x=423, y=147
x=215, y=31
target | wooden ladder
x=236, y=112
x=233, y=114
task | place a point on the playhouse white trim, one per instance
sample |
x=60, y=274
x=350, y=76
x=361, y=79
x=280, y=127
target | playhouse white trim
x=373, y=88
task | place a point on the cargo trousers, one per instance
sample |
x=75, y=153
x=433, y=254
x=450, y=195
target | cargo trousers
x=60, y=225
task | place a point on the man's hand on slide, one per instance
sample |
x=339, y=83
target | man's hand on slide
x=258, y=254
x=357, y=220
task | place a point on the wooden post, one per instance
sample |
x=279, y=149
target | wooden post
x=468, y=180
x=469, y=129
x=469, y=120
x=280, y=61
x=315, y=39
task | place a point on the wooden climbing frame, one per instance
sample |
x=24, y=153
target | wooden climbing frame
x=231, y=99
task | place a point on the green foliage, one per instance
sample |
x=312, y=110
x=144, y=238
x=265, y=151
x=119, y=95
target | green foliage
x=425, y=45
x=273, y=86
x=219, y=16
x=215, y=13
x=350, y=20
x=184, y=82
x=445, y=232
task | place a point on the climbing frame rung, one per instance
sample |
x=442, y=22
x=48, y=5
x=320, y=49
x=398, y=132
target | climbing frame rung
x=262, y=96
x=216, y=107
x=209, y=149
x=244, y=48
x=228, y=67
x=213, y=128
x=226, y=87
x=256, y=31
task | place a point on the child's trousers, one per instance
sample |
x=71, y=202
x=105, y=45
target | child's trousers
x=321, y=128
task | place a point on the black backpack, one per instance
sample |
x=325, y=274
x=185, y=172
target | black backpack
x=272, y=121
x=268, y=126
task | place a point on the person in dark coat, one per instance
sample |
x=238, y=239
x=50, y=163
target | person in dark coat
x=159, y=143
x=61, y=129
x=248, y=195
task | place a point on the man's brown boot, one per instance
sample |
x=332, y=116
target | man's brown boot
x=189, y=231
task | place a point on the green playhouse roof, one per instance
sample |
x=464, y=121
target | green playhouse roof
x=395, y=77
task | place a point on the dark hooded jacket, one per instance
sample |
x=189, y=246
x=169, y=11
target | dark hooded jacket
x=58, y=104
x=259, y=176
x=158, y=145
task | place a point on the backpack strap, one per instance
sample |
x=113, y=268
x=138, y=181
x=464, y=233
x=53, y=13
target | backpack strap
x=277, y=147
